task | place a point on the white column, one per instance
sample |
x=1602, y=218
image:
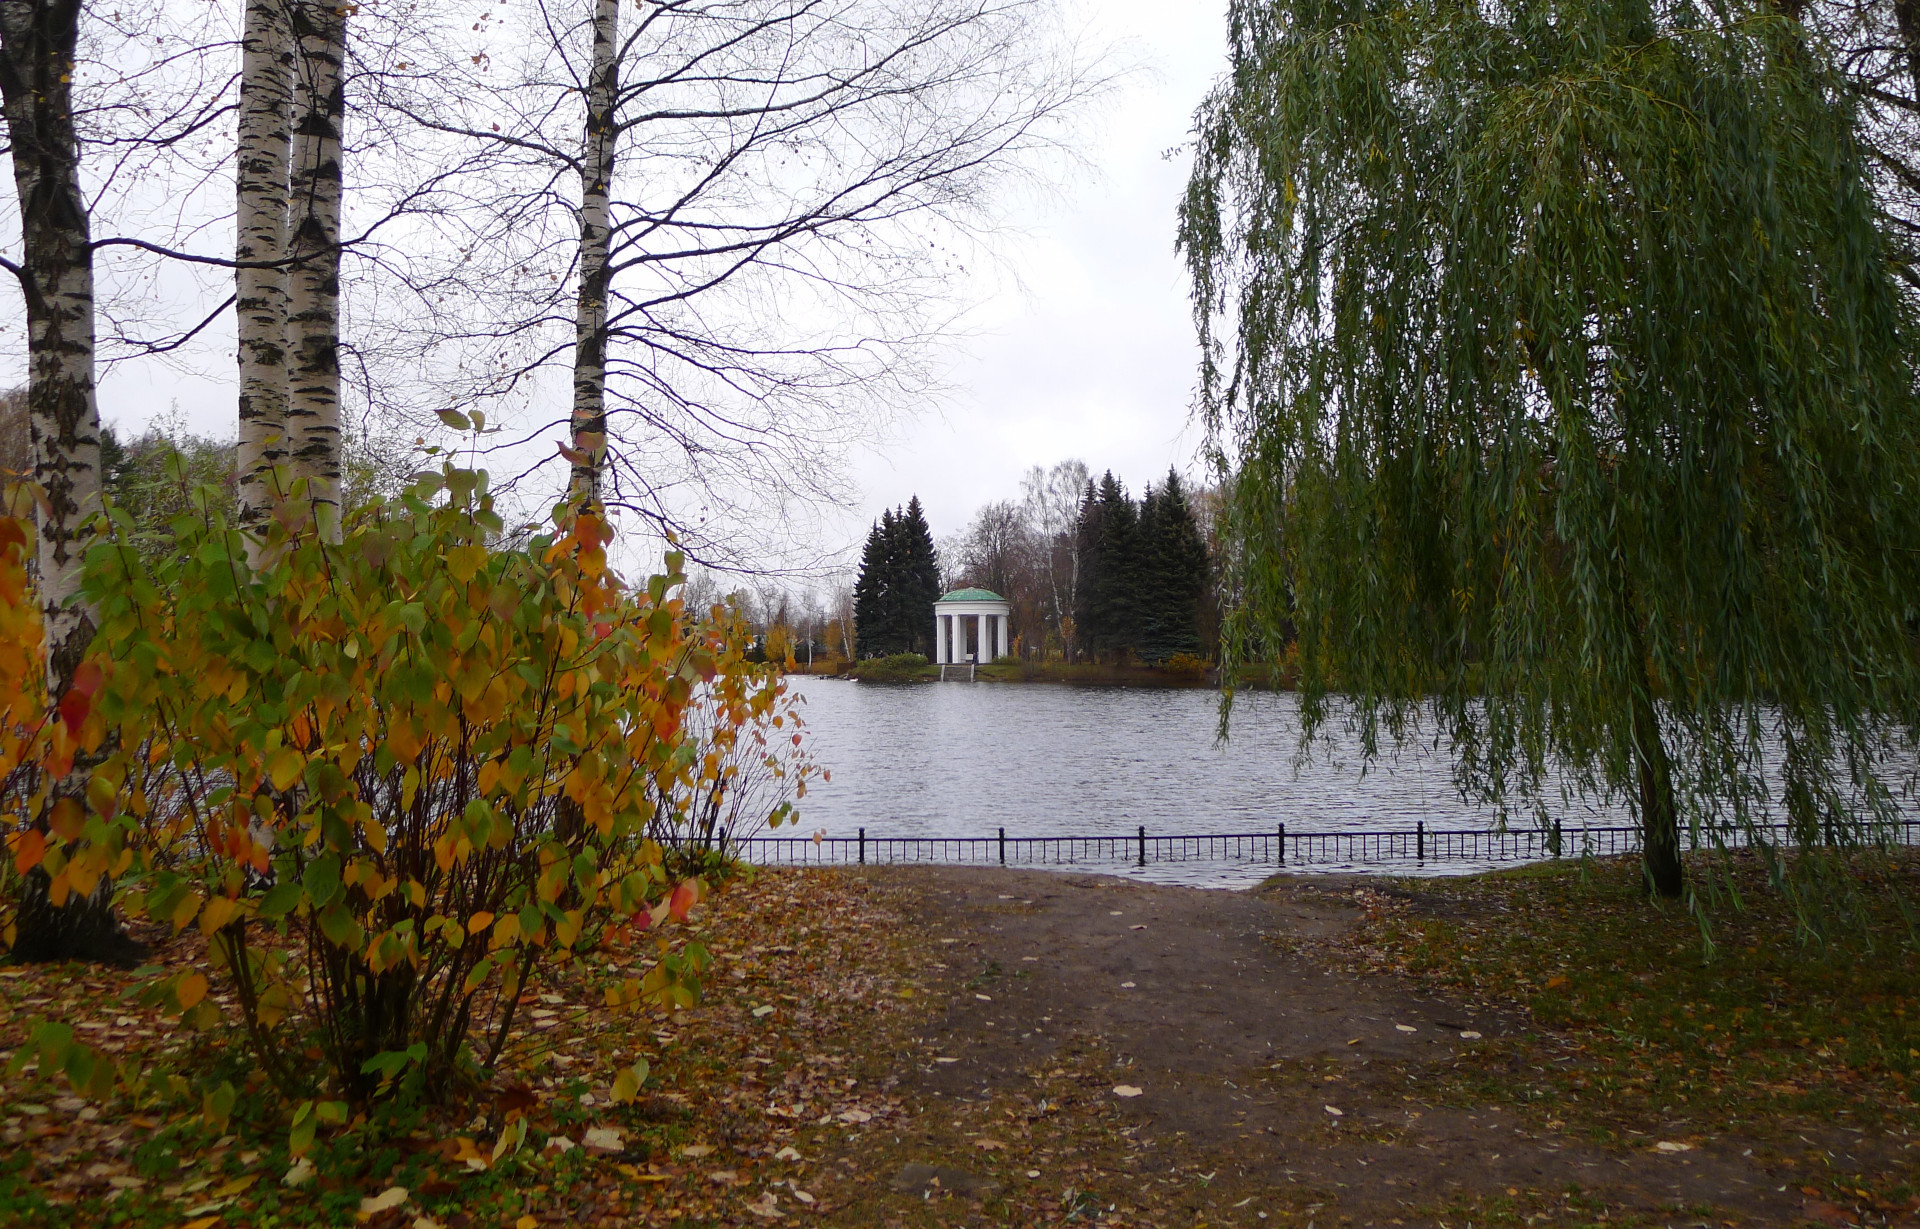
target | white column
x=1006, y=635
x=939, y=640
x=986, y=637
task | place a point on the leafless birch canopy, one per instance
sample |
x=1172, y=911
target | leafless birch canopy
x=795, y=189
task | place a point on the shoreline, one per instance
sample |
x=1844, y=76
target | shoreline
x=1052, y=673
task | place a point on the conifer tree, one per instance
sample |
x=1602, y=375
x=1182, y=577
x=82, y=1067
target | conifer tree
x=898, y=584
x=870, y=590
x=919, y=580
x=1173, y=573
x=1109, y=615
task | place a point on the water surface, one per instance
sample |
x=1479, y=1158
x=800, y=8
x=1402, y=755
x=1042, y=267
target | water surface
x=966, y=759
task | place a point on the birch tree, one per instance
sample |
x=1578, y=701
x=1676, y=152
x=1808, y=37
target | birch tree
x=588, y=427
x=261, y=183
x=37, y=55
x=753, y=217
x=313, y=294
x=1051, y=499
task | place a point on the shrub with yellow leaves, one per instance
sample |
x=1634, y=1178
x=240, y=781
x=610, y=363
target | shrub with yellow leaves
x=391, y=778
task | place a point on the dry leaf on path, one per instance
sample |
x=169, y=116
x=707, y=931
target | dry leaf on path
x=392, y=1197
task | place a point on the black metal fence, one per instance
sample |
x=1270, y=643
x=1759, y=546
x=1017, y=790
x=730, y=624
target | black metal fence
x=1279, y=847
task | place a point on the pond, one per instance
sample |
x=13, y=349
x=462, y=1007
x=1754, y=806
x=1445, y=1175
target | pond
x=966, y=759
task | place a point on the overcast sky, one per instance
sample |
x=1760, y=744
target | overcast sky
x=1093, y=356
x=1082, y=347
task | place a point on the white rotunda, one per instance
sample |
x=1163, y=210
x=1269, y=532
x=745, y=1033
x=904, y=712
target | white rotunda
x=990, y=616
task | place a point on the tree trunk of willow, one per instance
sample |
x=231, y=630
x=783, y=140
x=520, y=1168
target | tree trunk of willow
x=1659, y=819
x=37, y=41
x=589, y=422
x=313, y=292
x=260, y=294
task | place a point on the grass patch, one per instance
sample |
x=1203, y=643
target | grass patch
x=1756, y=1029
x=899, y=668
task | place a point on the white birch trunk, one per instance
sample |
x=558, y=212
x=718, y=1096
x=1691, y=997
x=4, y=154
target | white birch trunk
x=589, y=421
x=260, y=294
x=313, y=290
x=37, y=41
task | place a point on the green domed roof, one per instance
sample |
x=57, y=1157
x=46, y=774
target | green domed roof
x=973, y=595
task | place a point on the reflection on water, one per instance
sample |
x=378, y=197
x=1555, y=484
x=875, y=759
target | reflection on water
x=960, y=759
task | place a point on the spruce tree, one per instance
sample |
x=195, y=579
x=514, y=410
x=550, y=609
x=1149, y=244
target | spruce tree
x=898, y=584
x=1084, y=531
x=919, y=579
x=870, y=590
x=1174, y=566
x=1110, y=615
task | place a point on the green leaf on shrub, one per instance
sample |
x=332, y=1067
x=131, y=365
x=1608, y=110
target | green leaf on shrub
x=338, y=925
x=300, y=1138
x=626, y=1085
x=322, y=879
x=280, y=900
x=217, y=1106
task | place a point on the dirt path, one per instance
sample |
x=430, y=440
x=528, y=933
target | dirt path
x=1296, y=1087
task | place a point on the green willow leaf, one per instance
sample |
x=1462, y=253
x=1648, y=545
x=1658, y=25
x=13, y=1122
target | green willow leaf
x=1561, y=382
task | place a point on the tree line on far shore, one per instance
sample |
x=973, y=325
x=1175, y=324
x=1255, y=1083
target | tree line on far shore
x=1091, y=573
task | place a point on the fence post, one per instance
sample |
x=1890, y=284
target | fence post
x=863, y=846
x=1003, y=846
x=1556, y=838
x=1420, y=835
x=1283, y=844
x=1143, y=844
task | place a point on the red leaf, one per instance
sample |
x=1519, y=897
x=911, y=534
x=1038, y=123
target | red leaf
x=28, y=848
x=87, y=678
x=74, y=707
x=684, y=898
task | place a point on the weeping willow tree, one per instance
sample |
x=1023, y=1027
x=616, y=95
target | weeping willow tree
x=1564, y=393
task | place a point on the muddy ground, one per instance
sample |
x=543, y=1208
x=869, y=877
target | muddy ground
x=1268, y=1085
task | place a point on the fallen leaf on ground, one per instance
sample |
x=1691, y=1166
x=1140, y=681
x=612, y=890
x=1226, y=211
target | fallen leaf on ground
x=602, y=1139
x=1126, y=1090
x=392, y=1197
